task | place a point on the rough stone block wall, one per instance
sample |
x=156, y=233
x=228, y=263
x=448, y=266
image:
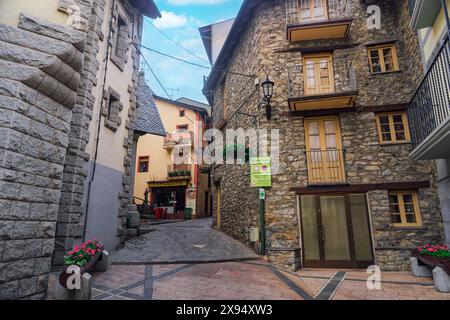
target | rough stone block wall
x=264, y=50
x=40, y=66
x=70, y=222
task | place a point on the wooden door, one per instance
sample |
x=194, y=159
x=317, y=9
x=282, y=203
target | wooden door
x=318, y=74
x=324, y=151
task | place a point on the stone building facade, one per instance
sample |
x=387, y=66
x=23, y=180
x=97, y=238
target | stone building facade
x=59, y=65
x=373, y=172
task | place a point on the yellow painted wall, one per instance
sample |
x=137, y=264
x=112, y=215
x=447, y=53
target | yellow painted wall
x=432, y=41
x=45, y=9
x=152, y=146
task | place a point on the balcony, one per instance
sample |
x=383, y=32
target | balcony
x=429, y=110
x=322, y=83
x=326, y=167
x=317, y=19
x=179, y=172
x=184, y=138
x=424, y=13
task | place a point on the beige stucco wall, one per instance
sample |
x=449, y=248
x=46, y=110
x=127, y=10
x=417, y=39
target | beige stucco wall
x=110, y=151
x=152, y=146
x=45, y=9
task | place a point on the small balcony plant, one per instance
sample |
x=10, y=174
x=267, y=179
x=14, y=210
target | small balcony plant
x=82, y=254
x=179, y=173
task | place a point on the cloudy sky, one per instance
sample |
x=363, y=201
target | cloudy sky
x=180, y=21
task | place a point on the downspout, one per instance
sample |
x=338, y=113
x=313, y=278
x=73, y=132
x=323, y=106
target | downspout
x=99, y=120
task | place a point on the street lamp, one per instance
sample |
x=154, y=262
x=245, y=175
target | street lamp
x=267, y=86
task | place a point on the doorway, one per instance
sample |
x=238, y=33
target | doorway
x=335, y=231
x=325, y=160
x=319, y=74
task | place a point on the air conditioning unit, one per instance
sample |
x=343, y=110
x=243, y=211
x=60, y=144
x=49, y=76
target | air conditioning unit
x=254, y=234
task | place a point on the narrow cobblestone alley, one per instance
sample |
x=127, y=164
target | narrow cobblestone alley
x=190, y=261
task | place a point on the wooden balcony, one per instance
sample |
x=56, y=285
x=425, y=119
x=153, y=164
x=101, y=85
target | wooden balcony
x=322, y=83
x=317, y=19
x=326, y=167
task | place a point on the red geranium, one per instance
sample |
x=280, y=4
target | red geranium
x=435, y=250
x=80, y=255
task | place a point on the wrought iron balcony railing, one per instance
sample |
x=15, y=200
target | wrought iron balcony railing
x=326, y=166
x=309, y=11
x=321, y=77
x=430, y=105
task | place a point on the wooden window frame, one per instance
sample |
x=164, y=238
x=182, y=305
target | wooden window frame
x=392, y=131
x=380, y=49
x=322, y=139
x=311, y=12
x=402, y=212
x=182, y=113
x=139, y=164
x=316, y=57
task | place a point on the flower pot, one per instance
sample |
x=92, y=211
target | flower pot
x=433, y=262
x=64, y=275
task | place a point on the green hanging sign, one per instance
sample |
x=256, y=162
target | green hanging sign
x=260, y=172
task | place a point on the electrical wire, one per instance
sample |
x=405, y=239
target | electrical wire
x=172, y=57
x=196, y=64
x=179, y=45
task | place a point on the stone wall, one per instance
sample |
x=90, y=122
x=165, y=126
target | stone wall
x=263, y=49
x=40, y=66
x=70, y=214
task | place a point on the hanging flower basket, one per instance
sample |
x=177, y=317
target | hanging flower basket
x=434, y=256
x=84, y=256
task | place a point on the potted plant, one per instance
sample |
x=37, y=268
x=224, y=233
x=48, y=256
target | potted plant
x=434, y=255
x=84, y=256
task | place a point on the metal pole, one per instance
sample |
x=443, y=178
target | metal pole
x=262, y=227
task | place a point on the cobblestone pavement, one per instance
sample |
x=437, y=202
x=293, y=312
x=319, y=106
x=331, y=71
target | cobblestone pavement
x=251, y=280
x=186, y=241
x=156, y=267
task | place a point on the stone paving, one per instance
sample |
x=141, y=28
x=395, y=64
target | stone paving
x=148, y=268
x=186, y=241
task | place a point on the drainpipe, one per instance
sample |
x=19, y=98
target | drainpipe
x=91, y=180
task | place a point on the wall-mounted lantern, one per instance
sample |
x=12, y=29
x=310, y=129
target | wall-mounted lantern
x=267, y=86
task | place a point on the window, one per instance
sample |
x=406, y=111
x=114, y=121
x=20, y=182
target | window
x=393, y=128
x=111, y=109
x=182, y=128
x=318, y=74
x=404, y=209
x=143, y=164
x=383, y=59
x=325, y=159
x=121, y=41
x=182, y=113
x=313, y=10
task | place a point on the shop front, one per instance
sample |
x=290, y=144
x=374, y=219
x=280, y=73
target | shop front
x=168, y=198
